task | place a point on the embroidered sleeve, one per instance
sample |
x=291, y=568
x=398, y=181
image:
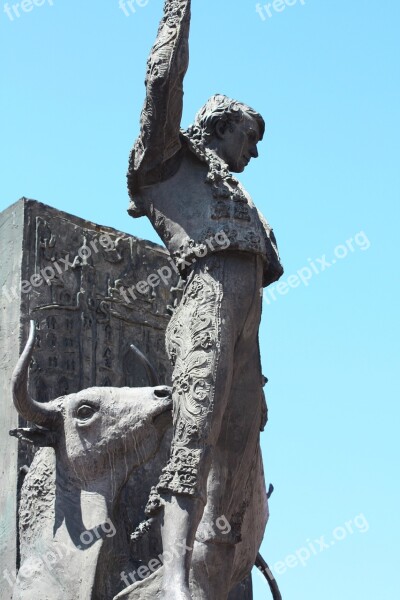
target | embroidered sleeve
x=159, y=138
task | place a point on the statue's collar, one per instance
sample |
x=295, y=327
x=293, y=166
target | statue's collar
x=224, y=184
x=208, y=156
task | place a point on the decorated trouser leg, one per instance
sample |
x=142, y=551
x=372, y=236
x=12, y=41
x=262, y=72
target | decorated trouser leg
x=212, y=340
x=235, y=478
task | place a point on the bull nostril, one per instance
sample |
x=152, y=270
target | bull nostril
x=162, y=392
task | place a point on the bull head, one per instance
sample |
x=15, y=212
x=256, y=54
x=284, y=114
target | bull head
x=92, y=417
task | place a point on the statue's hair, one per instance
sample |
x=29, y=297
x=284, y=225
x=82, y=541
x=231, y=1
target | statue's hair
x=221, y=108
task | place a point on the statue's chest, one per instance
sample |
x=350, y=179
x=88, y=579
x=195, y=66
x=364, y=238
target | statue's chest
x=197, y=193
x=229, y=201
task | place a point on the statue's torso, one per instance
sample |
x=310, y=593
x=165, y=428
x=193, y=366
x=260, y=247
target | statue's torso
x=195, y=217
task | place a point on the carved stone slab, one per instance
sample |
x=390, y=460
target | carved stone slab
x=73, y=278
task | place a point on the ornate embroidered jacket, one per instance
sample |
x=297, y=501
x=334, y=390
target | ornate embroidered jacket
x=193, y=201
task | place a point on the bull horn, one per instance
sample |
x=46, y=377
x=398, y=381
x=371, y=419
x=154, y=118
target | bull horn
x=150, y=370
x=29, y=409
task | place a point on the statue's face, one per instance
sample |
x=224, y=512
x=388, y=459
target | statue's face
x=237, y=143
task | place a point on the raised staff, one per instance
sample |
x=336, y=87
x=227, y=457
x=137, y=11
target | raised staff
x=182, y=181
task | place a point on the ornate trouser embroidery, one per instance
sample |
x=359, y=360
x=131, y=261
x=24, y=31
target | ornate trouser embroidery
x=192, y=338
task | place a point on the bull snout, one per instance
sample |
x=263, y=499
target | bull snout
x=163, y=392
x=163, y=417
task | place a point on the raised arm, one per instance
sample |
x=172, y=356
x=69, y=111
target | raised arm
x=158, y=140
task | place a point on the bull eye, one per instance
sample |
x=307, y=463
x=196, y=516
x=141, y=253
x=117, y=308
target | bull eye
x=85, y=412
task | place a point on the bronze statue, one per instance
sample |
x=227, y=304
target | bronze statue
x=226, y=252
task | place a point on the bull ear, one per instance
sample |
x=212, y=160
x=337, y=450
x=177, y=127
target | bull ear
x=41, y=438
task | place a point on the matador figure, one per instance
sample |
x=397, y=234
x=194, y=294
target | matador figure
x=182, y=181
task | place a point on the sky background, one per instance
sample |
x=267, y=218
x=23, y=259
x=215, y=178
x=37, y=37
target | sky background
x=325, y=75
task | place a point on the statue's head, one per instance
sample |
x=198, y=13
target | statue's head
x=230, y=128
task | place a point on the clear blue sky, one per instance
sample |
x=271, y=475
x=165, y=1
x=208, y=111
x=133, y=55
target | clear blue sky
x=325, y=75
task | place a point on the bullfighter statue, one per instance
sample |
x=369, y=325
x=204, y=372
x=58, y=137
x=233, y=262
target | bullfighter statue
x=226, y=252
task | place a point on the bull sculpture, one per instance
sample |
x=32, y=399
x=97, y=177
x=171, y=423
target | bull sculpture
x=72, y=531
x=91, y=443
